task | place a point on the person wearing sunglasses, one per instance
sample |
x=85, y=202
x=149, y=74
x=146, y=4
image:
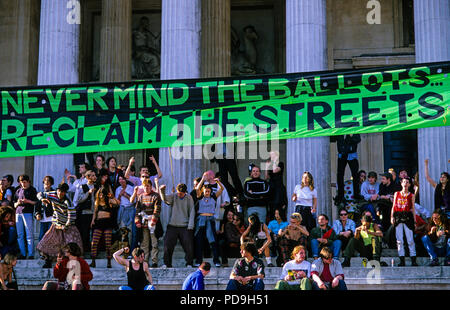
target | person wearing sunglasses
x=327, y=273
x=344, y=228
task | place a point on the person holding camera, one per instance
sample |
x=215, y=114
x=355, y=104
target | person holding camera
x=404, y=220
x=71, y=270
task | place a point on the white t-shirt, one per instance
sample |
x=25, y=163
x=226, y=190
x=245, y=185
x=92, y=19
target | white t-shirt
x=304, y=195
x=292, y=267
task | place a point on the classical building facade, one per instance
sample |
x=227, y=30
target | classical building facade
x=79, y=41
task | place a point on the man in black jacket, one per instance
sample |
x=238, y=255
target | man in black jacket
x=256, y=193
x=347, y=154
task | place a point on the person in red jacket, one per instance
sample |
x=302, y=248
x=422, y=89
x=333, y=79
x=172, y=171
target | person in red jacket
x=72, y=271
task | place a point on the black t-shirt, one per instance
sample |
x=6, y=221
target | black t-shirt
x=30, y=193
x=244, y=269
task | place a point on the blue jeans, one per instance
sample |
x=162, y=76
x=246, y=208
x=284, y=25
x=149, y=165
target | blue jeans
x=233, y=285
x=433, y=251
x=261, y=211
x=127, y=288
x=341, y=286
x=43, y=229
x=205, y=228
x=25, y=238
x=335, y=248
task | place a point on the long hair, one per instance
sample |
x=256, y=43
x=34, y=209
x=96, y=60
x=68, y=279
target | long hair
x=311, y=180
x=256, y=224
x=4, y=211
x=105, y=190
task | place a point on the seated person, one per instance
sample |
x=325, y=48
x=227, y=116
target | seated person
x=367, y=242
x=370, y=191
x=233, y=233
x=258, y=234
x=293, y=235
x=437, y=241
x=248, y=271
x=327, y=273
x=279, y=223
x=8, y=235
x=296, y=273
x=344, y=228
x=323, y=236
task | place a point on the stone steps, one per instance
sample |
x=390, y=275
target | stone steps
x=31, y=275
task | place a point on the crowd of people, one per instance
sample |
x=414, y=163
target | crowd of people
x=245, y=221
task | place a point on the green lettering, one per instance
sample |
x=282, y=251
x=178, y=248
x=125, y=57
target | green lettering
x=230, y=87
x=151, y=94
x=56, y=100
x=184, y=96
x=94, y=96
x=303, y=87
x=205, y=90
x=248, y=86
x=70, y=107
x=279, y=85
x=121, y=94
x=16, y=105
x=27, y=100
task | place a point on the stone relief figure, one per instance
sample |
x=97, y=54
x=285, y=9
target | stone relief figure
x=243, y=61
x=146, y=51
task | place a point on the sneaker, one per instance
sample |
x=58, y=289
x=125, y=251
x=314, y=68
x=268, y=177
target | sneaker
x=164, y=266
x=189, y=266
x=30, y=257
x=154, y=265
x=21, y=257
x=217, y=265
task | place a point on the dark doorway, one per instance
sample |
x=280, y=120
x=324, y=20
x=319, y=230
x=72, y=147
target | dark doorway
x=400, y=150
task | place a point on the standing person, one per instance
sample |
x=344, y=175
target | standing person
x=44, y=212
x=305, y=199
x=99, y=164
x=222, y=200
x=441, y=190
x=293, y=235
x=138, y=274
x=148, y=210
x=7, y=272
x=259, y=235
x=347, y=147
x=274, y=175
x=196, y=280
x=6, y=191
x=103, y=222
x=25, y=198
x=344, y=228
x=85, y=198
x=143, y=170
x=248, y=272
x=69, y=262
x=180, y=225
x=63, y=229
x=384, y=204
x=437, y=239
x=127, y=211
x=113, y=172
x=206, y=223
x=324, y=236
x=257, y=194
x=404, y=221
x=327, y=273
x=296, y=272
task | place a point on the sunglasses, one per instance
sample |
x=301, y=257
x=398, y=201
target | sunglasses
x=343, y=214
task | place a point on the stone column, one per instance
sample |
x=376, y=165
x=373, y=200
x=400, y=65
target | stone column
x=306, y=50
x=216, y=38
x=215, y=46
x=180, y=59
x=432, y=41
x=58, y=64
x=19, y=47
x=115, y=44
